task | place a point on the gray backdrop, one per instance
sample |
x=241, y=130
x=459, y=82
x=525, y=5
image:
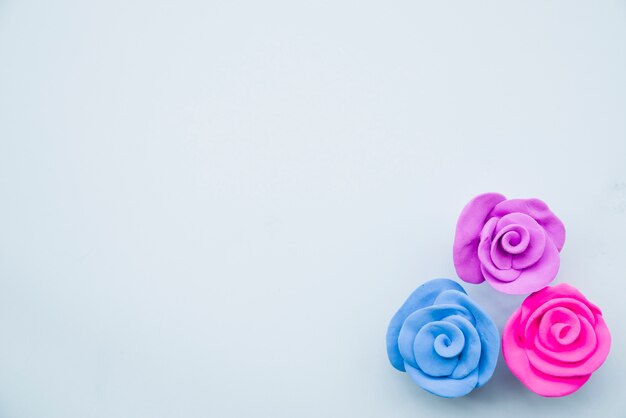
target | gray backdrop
x=212, y=209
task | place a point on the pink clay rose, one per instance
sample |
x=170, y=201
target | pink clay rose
x=555, y=341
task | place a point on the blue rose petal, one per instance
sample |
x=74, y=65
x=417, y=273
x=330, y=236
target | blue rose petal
x=422, y=297
x=444, y=387
x=487, y=330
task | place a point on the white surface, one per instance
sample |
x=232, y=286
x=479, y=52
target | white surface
x=213, y=210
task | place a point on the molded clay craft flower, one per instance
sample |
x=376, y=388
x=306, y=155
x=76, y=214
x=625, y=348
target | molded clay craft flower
x=555, y=341
x=443, y=340
x=513, y=244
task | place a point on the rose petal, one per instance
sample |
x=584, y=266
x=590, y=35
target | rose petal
x=531, y=313
x=500, y=258
x=486, y=328
x=471, y=221
x=513, y=239
x=579, y=350
x=604, y=341
x=561, y=290
x=484, y=255
x=422, y=297
x=562, y=335
x=537, y=210
x=469, y=358
x=536, y=238
x=580, y=368
x=436, y=347
x=531, y=279
x=443, y=386
x=417, y=320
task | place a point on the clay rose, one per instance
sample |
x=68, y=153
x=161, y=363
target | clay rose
x=555, y=341
x=443, y=340
x=513, y=244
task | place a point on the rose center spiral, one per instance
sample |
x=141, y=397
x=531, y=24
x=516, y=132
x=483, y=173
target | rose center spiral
x=449, y=343
x=562, y=325
x=445, y=338
x=513, y=239
x=437, y=346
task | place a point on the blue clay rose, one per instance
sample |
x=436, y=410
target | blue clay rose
x=445, y=342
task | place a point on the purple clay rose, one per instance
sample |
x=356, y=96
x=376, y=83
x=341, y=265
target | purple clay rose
x=512, y=244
